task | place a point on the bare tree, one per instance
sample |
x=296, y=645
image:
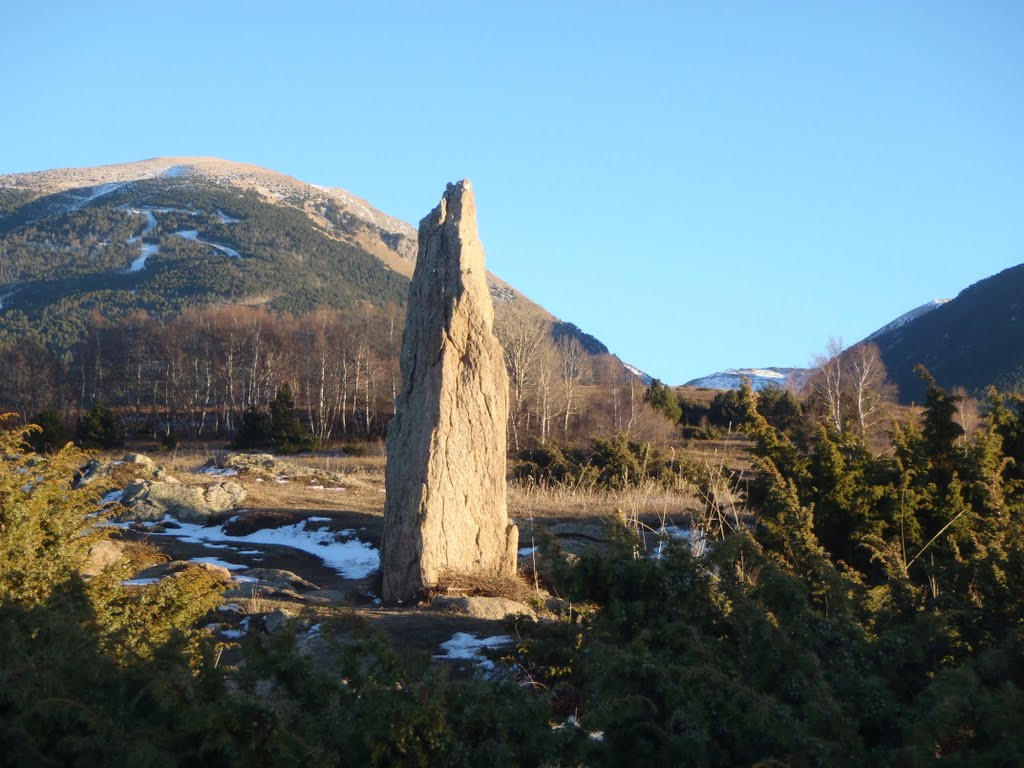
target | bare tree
x=522, y=334
x=968, y=416
x=869, y=386
x=829, y=382
x=574, y=372
x=852, y=388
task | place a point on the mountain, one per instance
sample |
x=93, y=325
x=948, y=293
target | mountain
x=166, y=234
x=973, y=341
x=906, y=317
x=759, y=378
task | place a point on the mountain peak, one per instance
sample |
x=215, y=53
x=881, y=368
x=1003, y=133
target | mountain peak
x=270, y=184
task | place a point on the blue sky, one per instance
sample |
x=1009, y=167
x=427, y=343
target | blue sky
x=701, y=185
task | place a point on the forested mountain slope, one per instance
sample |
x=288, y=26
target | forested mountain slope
x=167, y=234
x=974, y=341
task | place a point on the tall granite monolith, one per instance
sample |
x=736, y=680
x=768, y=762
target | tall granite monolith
x=446, y=513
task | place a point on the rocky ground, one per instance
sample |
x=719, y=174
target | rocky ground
x=299, y=540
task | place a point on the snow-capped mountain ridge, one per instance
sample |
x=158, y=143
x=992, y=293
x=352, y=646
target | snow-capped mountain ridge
x=759, y=378
x=907, y=317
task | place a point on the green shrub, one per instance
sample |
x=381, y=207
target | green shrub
x=53, y=432
x=98, y=429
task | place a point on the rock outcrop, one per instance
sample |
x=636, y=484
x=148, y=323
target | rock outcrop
x=269, y=467
x=446, y=511
x=148, y=500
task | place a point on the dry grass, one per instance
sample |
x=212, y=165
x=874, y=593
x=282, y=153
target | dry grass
x=515, y=588
x=733, y=452
x=558, y=501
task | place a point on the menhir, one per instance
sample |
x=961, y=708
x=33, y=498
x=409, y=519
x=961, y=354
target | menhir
x=446, y=513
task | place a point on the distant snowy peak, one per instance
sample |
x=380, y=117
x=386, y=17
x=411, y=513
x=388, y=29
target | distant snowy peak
x=903, y=319
x=760, y=378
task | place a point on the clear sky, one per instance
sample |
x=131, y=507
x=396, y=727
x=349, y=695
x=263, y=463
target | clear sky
x=701, y=185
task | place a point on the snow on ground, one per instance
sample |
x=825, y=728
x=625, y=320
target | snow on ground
x=467, y=646
x=93, y=193
x=4, y=297
x=697, y=540
x=150, y=222
x=111, y=497
x=193, y=234
x=219, y=562
x=759, y=378
x=225, y=219
x=227, y=472
x=176, y=172
x=147, y=249
x=527, y=551
x=646, y=379
x=352, y=558
x=139, y=263
x=139, y=582
x=905, y=318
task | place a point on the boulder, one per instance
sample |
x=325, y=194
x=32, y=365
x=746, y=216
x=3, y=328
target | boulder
x=130, y=466
x=276, y=619
x=325, y=596
x=269, y=467
x=151, y=500
x=446, y=511
x=478, y=607
x=279, y=579
x=171, y=567
x=102, y=555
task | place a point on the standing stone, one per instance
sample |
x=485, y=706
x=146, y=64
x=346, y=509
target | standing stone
x=445, y=511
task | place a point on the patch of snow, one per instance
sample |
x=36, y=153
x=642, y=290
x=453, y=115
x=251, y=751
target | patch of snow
x=907, y=317
x=111, y=497
x=645, y=378
x=221, y=563
x=467, y=646
x=318, y=519
x=150, y=221
x=5, y=296
x=193, y=234
x=139, y=263
x=572, y=722
x=94, y=193
x=223, y=218
x=527, y=551
x=228, y=472
x=176, y=172
x=353, y=559
x=138, y=582
x=697, y=540
x=760, y=378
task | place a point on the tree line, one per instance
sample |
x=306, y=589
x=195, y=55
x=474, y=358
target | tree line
x=195, y=376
